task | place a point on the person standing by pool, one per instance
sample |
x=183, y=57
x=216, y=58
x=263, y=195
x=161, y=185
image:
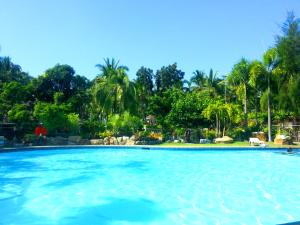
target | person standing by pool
x=41, y=133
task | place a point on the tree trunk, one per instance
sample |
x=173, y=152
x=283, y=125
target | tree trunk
x=245, y=108
x=217, y=126
x=269, y=111
x=187, y=135
x=256, y=110
x=224, y=127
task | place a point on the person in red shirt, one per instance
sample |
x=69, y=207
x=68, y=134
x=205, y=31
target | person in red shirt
x=41, y=133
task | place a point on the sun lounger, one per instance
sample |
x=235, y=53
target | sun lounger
x=255, y=142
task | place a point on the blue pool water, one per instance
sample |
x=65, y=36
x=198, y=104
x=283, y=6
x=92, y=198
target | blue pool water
x=135, y=186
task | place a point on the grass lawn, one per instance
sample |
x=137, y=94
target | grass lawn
x=235, y=144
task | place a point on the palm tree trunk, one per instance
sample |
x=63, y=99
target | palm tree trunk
x=217, y=126
x=224, y=127
x=256, y=110
x=269, y=112
x=245, y=108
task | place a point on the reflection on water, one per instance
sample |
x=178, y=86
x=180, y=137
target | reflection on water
x=136, y=165
x=68, y=181
x=138, y=211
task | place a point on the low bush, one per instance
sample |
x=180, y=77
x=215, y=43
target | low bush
x=29, y=138
x=124, y=124
x=105, y=134
x=91, y=129
x=149, y=136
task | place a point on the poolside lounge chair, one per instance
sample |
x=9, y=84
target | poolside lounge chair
x=255, y=142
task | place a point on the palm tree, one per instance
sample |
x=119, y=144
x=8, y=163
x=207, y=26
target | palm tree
x=208, y=82
x=113, y=92
x=212, y=82
x=271, y=61
x=239, y=78
x=223, y=114
x=215, y=111
x=188, y=86
x=198, y=78
x=109, y=67
x=11, y=72
x=260, y=77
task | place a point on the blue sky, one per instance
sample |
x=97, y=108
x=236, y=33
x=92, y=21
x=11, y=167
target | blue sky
x=197, y=34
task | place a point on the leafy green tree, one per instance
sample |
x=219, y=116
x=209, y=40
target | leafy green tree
x=186, y=110
x=144, y=80
x=288, y=48
x=168, y=77
x=21, y=114
x=144, y=88
x=54, y=116
x=60, y=78
x=12, y=93
x=288, y=45
x=161, y=104
x=80, y=103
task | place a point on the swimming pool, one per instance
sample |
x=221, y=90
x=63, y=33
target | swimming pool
x=135, y=186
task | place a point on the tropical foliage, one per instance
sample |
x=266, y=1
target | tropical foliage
x=255, y=95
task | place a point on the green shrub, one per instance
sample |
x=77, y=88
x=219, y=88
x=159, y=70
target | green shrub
x=209, y=133
x=29, y=138
x=239, y=134
x=124, y=124
x=22, y=117
x=105, y=134
x=149, y=136
x=91, y=129
x=73, y=123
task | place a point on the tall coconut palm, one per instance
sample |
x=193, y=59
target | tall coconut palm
x=258, y=81
x=212, y=82
x=109, y=67
x=206, y=82
x=260, y=77
x=198, y=78
x=271, y=61
x=239, y=78
x=187, y=85
x=113, y=92
x=11, y=72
